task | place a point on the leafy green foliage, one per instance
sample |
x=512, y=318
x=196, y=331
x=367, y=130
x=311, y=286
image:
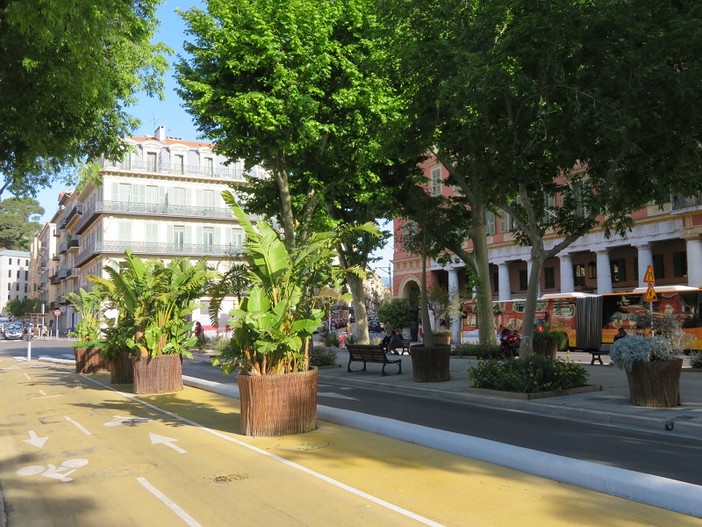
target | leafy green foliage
x=481, y=351
x=19, y=222
x=395, y=313
x=68, y=71
x=87, y=329
x=322, y=356
x=19, y=308
x=528, y=375
x=273, y=325
x=153, y=300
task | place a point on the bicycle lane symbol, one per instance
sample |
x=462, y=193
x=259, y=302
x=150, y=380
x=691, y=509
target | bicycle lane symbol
x=60, y=473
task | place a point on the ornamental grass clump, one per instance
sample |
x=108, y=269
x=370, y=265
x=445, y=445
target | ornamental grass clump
x=532, y=374
x=629, y=350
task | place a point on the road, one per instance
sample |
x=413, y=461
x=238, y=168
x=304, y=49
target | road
x=76, y=452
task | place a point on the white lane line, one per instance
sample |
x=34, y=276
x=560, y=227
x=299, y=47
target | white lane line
x=26, y=375
x=78, y=426
x=169, y=503
x=42, y=392
x=287, y=462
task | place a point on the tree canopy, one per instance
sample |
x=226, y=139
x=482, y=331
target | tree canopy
x=292, y=86
x=19, y=222
x=69, y=69
x=513, y=95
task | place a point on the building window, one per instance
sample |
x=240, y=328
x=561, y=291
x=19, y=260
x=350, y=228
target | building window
x=496, y=282
x=592, y=270
x=436, y=181
x=9, y=273
x=16, y=286
x=151, y=162
x=579, y=274
x=26, y=275
x=18, y=273
x=179, y=237
x=237, y=239
x=208, y=238
x=9, y=261
x=658, y=266
x=178, y=196
x=618, y=270
x=25, y=288
x=209, y=167
x=489, y=223
x=549, y=278
x=124, y=192
x=179, y=164
x=208, y=198
x=523, y=280
x=680, y=264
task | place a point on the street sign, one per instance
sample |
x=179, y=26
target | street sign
x=648, y=277
x=650, y=294
x=57, y=312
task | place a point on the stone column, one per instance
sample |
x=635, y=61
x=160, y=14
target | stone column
x=505, y=288
x=567, y=279
x=694, y=262
x=645, y=259
x=604, y=272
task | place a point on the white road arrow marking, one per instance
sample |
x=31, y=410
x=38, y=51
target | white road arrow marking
x=26, y=375
x=42, y=392
x=336, y=396
x=168, y=441
x=35, y=440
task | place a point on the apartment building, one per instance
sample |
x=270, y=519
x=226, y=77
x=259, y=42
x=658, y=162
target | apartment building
x=163, y=200
x=14, y=277
x=669, y=238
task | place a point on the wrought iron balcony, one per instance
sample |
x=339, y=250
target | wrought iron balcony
x=682, y=202
x=154, y=249
x=231, y=172
x=150, y=209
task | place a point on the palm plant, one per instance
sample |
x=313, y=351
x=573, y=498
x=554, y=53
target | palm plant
x=275, y=320
x=88, y=306
x=154, y=299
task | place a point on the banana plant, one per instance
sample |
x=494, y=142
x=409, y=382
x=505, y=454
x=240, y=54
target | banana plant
x=87, y=305
x=154, y=299
x=274, y=322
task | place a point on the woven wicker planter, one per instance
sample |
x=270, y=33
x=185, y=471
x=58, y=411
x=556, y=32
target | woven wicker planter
x=121, y=369
x=547, y=348
x=90, y=360
x=160, y=374
x=655, y=384
x=277, y=405
x=431, y=364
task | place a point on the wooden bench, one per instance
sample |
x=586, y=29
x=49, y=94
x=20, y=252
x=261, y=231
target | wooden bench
x=404, y=350
x=597, y=354
x=370, y=353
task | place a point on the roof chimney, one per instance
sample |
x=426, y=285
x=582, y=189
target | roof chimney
x=160, y=133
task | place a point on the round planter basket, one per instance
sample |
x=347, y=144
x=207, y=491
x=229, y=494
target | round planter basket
x=431, y=364
x=655, y=384
x=160, y=374
x=277, y=405
x=121, y=369
x=90, y=360
x=547, y=348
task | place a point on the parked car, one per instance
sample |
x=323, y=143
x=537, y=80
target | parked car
x=13, y=331
x=374, y=326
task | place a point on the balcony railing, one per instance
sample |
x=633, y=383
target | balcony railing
x=681, y=202
x=150, y=209
x=232, y=172
x=191, y=250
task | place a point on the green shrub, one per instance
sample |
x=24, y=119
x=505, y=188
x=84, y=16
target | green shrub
x=488, y=351
x=330, y=339
x=322, y=356
x=535, y=373
x=551, y=335
x=696, y=360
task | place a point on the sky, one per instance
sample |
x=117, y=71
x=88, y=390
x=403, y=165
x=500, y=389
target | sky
x=170, y=112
